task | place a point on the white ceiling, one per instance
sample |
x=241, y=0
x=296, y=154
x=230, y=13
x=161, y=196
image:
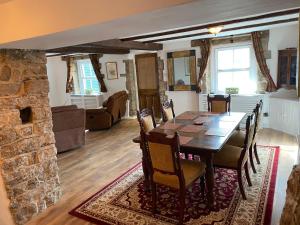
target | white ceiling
x=190, y=14
x=4, y=1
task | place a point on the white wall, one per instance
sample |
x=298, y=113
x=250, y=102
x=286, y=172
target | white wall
x=183, y=100
x=57, y=76
x=281, y=38
x=117, y=84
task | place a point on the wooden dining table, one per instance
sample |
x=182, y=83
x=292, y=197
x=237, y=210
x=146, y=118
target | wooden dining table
x=202, y=134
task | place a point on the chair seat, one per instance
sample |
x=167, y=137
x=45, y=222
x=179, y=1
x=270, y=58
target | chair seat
x=228, y=157
x=237, y=139
x=191, y=171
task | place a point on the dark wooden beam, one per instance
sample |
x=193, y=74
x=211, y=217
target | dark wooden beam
x=117, y=43
x=87, y=50
x=176, y=31
x=194, y=42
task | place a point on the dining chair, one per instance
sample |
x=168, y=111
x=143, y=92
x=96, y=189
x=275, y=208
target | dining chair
x=257, y=128
x=147, y=123
x=237, y=139
x=218, y=103
x=167, y=110
x=168, y=169
x=236, y=158
x=146, y=119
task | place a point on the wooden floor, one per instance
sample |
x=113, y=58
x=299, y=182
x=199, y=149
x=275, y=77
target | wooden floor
x=107, y=154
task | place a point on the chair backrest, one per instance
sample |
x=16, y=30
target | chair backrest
x=163, y=154
x=250, y=126
x=258, y=113
x=146, y=120
x=167, y=110
x=218, y=103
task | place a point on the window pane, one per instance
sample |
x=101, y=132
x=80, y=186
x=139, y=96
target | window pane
x=242, y=80
x=225, y=59
x=95, y=86
x=224, y=81
x=241, y=58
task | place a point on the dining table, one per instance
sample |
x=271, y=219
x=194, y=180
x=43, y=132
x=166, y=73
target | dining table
x=202, y=134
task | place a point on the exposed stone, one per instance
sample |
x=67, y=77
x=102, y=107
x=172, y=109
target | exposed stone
x=36, y=86
x=162, y=86
x=130, y=86
x=27, y=151
x=5, y=73
x=291, y=210
x=9, y=89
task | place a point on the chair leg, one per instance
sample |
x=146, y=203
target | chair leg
x=202, y=186
x=181, y=205
x=251, y=159
x=247, y=173
x=255, y=153
x=154, y=196
x=240, y=181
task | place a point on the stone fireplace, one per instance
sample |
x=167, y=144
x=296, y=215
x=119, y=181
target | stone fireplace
x=29, y=181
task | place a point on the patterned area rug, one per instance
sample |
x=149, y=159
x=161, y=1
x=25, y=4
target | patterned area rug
x=124, y=201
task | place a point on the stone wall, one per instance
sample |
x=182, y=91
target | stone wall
x=28, y=162
x=162, y=84
x=291, y=211
x=131, y=86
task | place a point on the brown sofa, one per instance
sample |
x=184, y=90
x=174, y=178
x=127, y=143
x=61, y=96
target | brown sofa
x=114, y=108
x=68, y=127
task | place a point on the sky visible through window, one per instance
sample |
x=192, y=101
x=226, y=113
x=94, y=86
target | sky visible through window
x=88, y=81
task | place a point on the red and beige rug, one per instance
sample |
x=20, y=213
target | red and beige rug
x=124, y=201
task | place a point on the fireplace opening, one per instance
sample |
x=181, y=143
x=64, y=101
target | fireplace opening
x=25, y=115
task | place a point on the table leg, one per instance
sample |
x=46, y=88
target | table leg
x=209, y=177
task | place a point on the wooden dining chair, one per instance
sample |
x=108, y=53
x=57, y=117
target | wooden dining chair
x=236, y=158
x=237, y=139
x=218, y=103
x=168, y=169
x=257, y=128
x=146, y=119
x=147, y=123
x=167, y=110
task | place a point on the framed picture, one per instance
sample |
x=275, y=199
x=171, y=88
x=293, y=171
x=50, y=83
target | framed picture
x=112, y=70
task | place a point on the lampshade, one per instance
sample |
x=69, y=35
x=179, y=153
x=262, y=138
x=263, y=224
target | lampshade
x=215, y=30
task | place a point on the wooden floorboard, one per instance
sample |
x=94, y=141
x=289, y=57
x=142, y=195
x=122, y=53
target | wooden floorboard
x=109, y=153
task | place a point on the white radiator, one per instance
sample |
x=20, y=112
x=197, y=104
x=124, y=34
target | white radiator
x=87, y=101
x=239, y=103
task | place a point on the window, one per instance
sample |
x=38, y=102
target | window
x=234, y=67
x=88, y=83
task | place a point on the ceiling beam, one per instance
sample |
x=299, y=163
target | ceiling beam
x=87, y=50
x=205, y=26
x=225, y=30
x=117, y=43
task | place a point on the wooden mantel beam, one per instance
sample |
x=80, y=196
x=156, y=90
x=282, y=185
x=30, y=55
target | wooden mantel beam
x=117, y=43
x=87, y=50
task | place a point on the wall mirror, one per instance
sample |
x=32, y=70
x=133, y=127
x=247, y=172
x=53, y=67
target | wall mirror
x=182, y=70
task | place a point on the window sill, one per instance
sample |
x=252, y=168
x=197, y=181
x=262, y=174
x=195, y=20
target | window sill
x=80, y=95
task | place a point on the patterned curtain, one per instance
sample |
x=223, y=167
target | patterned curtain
x=205, y=48
x=261, y=61
x=97, y=69
x=69, y=84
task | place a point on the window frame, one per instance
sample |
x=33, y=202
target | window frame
x=80, y=77
x=214, y=64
